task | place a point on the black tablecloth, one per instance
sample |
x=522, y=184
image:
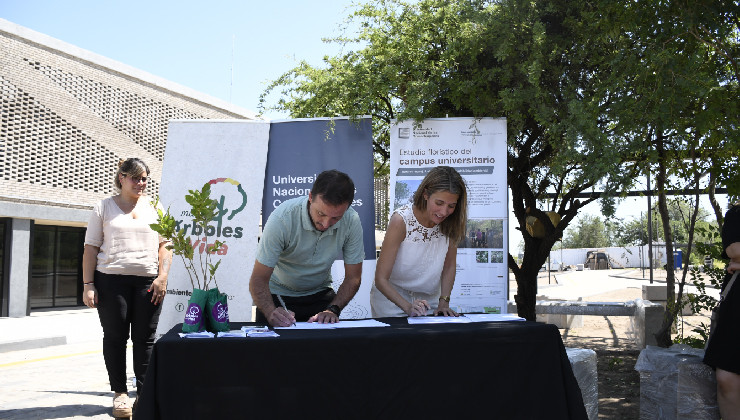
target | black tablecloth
x=501, y=370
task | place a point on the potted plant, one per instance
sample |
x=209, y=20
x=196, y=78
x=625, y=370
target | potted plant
x=207, y=307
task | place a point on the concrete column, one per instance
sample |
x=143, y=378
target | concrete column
x=657, y=293
x=647, y=321
x=20, y=269
x=583, y=362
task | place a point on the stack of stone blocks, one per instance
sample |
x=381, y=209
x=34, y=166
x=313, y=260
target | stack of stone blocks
x=676, y=385
x=583, y=362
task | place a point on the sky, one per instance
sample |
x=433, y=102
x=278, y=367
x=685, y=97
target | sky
x=227, y=49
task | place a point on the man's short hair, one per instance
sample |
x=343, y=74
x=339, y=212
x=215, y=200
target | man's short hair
x=334, y=187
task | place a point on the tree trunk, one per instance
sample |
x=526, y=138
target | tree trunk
x=716, y=207
x=663, y=336
x=525, y=201
x=536, y=251
x=526, y=294
x=526, y=280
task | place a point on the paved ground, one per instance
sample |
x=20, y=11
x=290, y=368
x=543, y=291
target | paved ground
x=54, y=382
x=68, y=380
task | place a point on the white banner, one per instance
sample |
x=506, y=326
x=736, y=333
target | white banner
x=231, y=156
x=476, y=148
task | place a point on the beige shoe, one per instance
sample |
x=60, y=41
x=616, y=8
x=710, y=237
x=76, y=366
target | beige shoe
x=121, y=405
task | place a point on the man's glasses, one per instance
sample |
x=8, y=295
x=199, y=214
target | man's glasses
x=138, y=179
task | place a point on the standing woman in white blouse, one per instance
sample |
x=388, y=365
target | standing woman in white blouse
x=415, y=271
x=124, y=270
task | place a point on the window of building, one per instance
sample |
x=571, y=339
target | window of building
x=56, y=266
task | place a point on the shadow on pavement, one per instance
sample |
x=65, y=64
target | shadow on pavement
x=80, y=392
x=58, y=412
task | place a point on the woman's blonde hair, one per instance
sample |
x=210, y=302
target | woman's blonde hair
x=129, y=167
x=445, y=178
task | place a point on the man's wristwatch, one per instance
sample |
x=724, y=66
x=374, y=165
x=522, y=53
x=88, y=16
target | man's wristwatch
x=335, y=309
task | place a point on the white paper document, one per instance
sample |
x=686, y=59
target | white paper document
x=438, y=320
x=361, y=323
x=262, y=334
x=232, y=333
x=493, y=317
x=250, y=328
x=259, y=331
x=202, y=334
x=308, y=326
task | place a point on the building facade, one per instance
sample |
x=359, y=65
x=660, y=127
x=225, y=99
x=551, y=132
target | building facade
x=67, y=116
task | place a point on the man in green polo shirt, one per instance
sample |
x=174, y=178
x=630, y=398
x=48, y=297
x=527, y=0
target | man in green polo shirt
x=299, y=243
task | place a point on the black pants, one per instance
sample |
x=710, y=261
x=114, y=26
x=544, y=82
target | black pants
x=124, y=303
x=304, y=306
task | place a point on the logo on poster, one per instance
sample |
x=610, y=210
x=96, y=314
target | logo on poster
x=425, y=132
x=474, y=132
x=220, y=230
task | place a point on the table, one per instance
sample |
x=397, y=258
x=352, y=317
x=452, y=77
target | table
x=506, y=370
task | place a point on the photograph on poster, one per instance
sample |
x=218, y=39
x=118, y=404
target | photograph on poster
x=405, y=191
x=484, y=233
x=481, y=257
x=497, y=257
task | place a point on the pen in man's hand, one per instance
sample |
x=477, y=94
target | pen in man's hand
x=282, y=302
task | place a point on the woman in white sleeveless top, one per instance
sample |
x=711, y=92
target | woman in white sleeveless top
x=415, y=271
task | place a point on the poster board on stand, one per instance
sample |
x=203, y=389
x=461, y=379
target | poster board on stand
x=231, y=156
x=476, y=148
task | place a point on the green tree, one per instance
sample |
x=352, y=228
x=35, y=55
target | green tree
x=403, y=194
x=588, y=232
x=574, y=85
x=677, y=92
x=635, y=231
x=539, y=64
x=717, y=26
x=632, y=232
x=712, y=277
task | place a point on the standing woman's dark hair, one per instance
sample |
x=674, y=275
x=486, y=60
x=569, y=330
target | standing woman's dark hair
x=129, y=167
x=445, y=178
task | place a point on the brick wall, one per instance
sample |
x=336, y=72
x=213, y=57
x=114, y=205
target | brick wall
x=67, y=117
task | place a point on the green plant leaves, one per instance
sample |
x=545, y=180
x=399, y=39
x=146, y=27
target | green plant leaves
x=203, y=211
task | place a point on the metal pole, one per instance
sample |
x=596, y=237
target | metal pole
x=642, y=250
x=561, y=256
x=650, y=228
